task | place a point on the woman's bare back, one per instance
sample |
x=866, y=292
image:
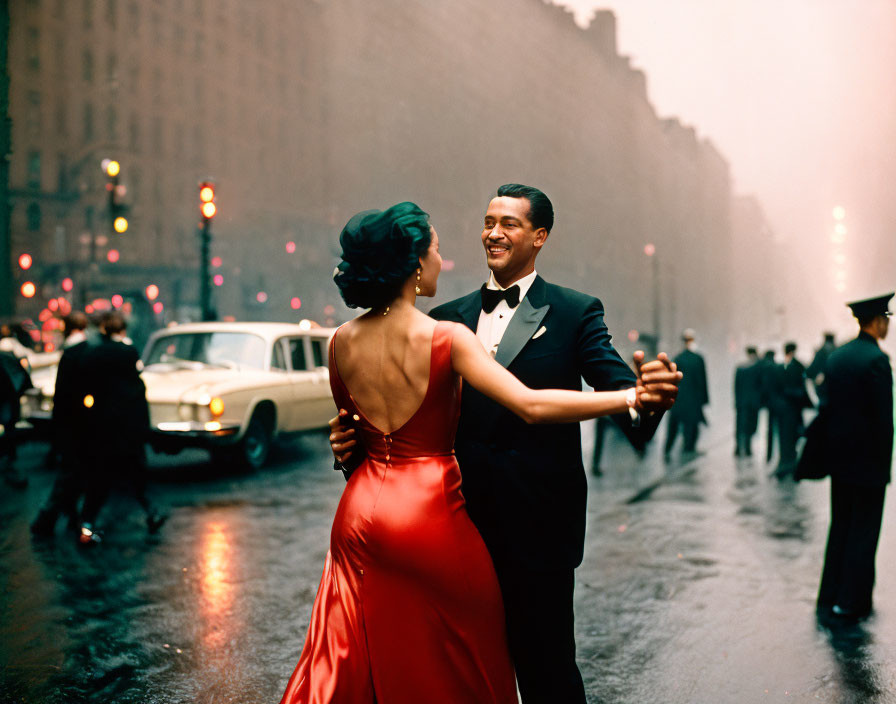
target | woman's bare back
x=384, y=362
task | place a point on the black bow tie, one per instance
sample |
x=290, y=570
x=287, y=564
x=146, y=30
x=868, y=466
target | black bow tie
x=491, y=297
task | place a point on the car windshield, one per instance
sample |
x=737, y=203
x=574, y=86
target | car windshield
x=225, y=349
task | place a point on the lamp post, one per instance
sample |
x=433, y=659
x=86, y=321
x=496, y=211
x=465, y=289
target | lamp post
x=650, y=251
x=208, y=209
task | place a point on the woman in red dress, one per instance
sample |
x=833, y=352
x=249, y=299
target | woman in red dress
x=409, y=609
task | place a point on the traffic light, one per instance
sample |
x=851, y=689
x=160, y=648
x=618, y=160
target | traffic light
x=207, y=200
x=117, y=192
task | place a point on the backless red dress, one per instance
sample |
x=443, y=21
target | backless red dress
x=408, y=610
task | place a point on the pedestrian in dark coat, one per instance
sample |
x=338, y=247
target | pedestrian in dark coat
x=815, y=371
x=747, y=401
x=116, y=424
x=768, y=399
x=790, y=401
x=14, y=381
x=859, y=451
x=693, y=394
x=68, y=431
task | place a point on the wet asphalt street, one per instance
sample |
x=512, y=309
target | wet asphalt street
x=698, y=586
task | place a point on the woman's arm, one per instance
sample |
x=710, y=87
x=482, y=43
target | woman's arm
x=472, y=362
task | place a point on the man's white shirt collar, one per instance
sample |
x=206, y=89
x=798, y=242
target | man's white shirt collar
x=524, y=283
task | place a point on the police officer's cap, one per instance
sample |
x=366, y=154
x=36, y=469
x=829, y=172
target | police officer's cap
x=871, y=307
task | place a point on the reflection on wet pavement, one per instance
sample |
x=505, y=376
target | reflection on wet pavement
x=698, y=585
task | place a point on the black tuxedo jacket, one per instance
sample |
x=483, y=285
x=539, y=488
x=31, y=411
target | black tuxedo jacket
x=525, y=485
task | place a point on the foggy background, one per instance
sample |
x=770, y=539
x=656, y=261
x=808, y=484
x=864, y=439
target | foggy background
x=799, y=95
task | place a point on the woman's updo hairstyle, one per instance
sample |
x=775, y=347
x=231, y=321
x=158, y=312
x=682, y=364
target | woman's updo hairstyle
x=380, y=250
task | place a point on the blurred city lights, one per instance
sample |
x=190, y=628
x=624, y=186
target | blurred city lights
x=28, y=289
x=840, y=228
x=206, y=194
x=53, y=304
x=261, y=297
x=117, y=300
x=67, y=284
x=447, y=265
x=89, y=309
x=120, y=225
x=208, y=210
x=219, y=279
x=44, y=315
x=88, y=401
x=157, y=307
x=113, y=255
x=25, y=261
x=152, y=292
x=290, y=247
x=649, y=250
x=111, y=167
x=329, y=310
x=295, y=302
x=633, y=335
x=839, y=212
x=216, y=262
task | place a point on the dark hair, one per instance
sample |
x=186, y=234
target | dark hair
x=789, y=347
x=541, y=211
x=380, y=250
x=112, y=323
x=74, y=321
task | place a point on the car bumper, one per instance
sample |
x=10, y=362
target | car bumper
x=175, y=435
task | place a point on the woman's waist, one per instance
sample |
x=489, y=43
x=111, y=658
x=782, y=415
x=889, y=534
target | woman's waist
x=398, y=456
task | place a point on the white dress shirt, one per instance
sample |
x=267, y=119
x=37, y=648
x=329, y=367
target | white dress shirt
x=491, y=326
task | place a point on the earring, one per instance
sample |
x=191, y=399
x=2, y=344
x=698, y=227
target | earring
x=417, y=287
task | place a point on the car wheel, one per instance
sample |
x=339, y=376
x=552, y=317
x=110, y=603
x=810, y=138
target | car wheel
x=255, y=446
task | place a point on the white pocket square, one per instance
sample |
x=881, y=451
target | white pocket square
x=541, y=331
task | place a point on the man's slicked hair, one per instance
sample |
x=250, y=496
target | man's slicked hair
x=541, y=211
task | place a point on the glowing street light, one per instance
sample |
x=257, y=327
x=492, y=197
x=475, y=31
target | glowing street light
x=28, y=289
x=290, y=247
x=295, y=302
x=120, y=224
x=67, y=284
x=113, y=255
x=25, y=261
x=839, y=212
x=152, y=292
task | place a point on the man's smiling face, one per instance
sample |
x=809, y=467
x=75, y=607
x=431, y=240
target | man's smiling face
x=511, y=242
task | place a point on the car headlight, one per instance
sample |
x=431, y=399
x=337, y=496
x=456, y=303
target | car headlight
x=216, y=406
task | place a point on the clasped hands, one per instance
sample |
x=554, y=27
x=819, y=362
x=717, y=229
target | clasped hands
x=657, y=383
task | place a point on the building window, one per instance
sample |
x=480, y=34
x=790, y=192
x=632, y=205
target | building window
x=33, y=214
x=88, y=122
x=61, y=123
x=87, y=66
x=33, y=169
x=134, y=133
x=112, y=123
x=33, y=116
x=33, y=48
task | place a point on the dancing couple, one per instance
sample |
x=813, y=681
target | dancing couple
x=430, y=594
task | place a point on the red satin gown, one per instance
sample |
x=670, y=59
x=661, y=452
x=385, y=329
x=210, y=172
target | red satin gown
x=408, y=609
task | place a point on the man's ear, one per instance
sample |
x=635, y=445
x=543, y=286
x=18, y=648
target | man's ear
x=541, y=236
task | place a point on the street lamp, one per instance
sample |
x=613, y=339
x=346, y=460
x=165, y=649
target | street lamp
x=208, y=210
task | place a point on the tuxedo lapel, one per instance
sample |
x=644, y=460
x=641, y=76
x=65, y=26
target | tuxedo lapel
x=469, y=311
x=522, y=326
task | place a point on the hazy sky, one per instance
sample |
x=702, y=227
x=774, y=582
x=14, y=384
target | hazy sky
x=800, y=95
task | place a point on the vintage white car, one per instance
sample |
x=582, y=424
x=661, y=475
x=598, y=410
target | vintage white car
x=235, y=388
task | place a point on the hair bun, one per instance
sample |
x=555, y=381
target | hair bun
x=380, y=250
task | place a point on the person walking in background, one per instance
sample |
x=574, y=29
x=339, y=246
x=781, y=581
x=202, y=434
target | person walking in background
x=791, y=399
x=115, y=424
x=859, y=450
x=747, y=401
x=768, y=392
x=14, y=381
x=816, y=370
x=693, y=395
x=68, y=431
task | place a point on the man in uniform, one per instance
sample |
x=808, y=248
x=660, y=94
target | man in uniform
x=792, y=398
x=859, y=450
x=815, y=371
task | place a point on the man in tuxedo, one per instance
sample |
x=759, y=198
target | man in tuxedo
x=858, y=451
x=525, y=485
